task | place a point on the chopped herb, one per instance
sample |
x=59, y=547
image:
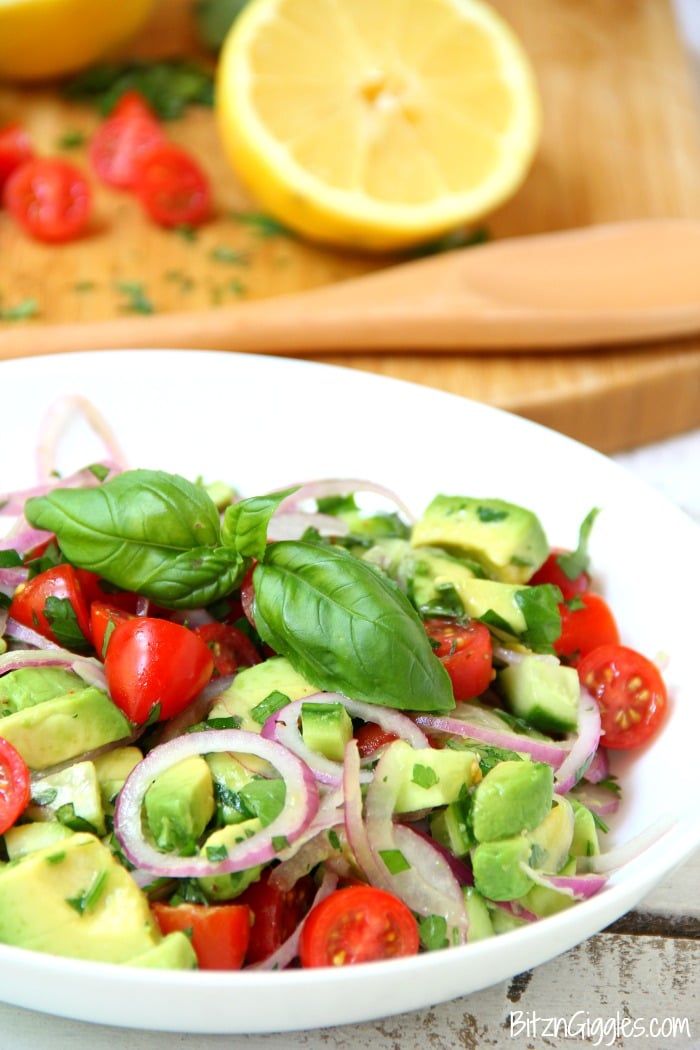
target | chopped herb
x=188, y=233
x=572, y=564
x=56, y=858
x=488, y=514
x=87, y=900
x=334, y=840
x=182, y=279
x=237, y=287
x=455, y=239
x=83, y=286
x=280, y=842
x=21, y=311
x=216, y=853
x=99, y=471
x=9, y=559
x=575, y=603
x=424, y=776
x=272, y=703
x=67, y=816
x=45, y=797
x=234, y=722
x=72, y=139
x=394, y=860
x=263, y=225
x=223, y=253
x=169, y=86
x=137, y=300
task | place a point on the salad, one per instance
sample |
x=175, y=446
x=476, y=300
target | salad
x=302, y=728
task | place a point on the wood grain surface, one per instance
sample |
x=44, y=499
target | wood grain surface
x=621, y=140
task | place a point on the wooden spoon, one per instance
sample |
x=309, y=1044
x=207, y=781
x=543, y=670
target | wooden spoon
x=600, y=285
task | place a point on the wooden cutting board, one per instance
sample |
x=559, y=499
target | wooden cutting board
x=621, y=140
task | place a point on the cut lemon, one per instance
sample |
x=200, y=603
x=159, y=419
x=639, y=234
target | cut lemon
x=47, y=38
x=375, y=124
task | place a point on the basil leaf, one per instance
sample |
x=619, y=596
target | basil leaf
x=145, y=531
x=245, y=523
x=540, y=607
x=346, y=628
x=60, y=614
x=573, y=563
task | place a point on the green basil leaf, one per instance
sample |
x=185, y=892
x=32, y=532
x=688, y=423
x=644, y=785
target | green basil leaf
x=245, y=523
x=573, y=563
x=64, y=623
x=145, y=531
x=540, y=607
x=347, y=628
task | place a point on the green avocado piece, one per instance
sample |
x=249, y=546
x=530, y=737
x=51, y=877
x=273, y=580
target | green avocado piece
x=71, y=796
x=498, y=871
x=226, y=887
x=73, y=898
x=179, y=805
x=585, y=842
x=429, y=777
x=57, y=730
x=545, y=900
x=326, y=728
x=450, y=826
x=551, y=839
x=27, y=686
x=543, y=692
x=253, y=685
x=112, y=769
x=24, y=838
x=513, y=797
x=506, y=539
x=175, y=952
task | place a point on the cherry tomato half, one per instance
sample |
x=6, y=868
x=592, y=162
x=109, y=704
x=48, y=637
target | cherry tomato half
x=15, y=149
x=276, y=913
x=466, y=651
x=133, y=104
x=172, y=187
x=219, y=932
x=14, y=785
x=370, y=737
x=104, y=617
x=229, y=646
x=50, y=198
x=152, y=662
x=630, y=692
x=552, y=572
x=585, y=624
x=357, y=924
x=119, y=145
x=52, y=603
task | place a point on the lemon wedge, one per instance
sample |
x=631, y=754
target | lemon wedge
x=47, y=38
x=376, y=124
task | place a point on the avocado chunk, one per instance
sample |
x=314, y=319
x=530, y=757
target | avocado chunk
x=326, y=728
x=75, y=899
x=24, y=838
x=429, y=777
x=584, y=842
x=551, y=839
x=450, y=826
x=112, y=769
x=232, y=884
x=513, y=797
x=175, y=952
x=506, y=539
x=244, y=698
x=71, y=796
x=543, y=692
x=57, y=730
x=498, y=868
x=27, y=686
x=179, y=805
x=546, y=900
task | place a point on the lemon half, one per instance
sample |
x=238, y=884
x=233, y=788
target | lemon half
x=375, y=124
x=47, y=38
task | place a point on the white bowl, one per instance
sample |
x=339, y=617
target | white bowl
x=261, y=422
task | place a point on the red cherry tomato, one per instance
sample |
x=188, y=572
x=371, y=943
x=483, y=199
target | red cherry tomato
x=155, y=663
x=172, y=187
x=276, y=913
x=14, y=785
x=133, y=104
x=229, y=647
x=119, y=145
x=552, y=572
x=370, y=737
x=52, y=603
x=630, y=692
x=15, y=149
x=104, y=617
x=50, y=198
x=219, y=932
x=357, y=924
x=466, y=651
x=586, y=624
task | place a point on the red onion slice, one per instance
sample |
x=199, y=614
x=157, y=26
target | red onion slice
x=301, y=804
x=612, y=859
x=288, y=951
x=547, y=751
x=89, y=669
x=329, y=487
x=584, y=746
x=56, y=422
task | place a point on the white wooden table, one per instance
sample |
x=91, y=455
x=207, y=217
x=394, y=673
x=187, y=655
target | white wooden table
x=636, y=985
